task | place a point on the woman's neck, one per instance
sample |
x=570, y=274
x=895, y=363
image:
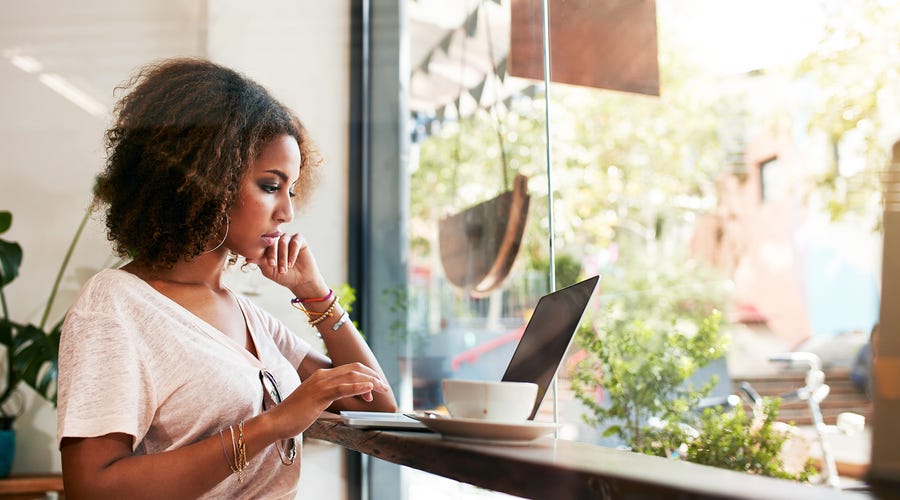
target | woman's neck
x=204, y=270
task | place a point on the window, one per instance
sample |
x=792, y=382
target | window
x=773, y=181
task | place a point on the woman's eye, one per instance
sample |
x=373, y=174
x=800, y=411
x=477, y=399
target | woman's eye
x=292, y=194
x=269, y=188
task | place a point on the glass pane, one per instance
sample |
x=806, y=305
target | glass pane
x=477, y=232
x=741, y=176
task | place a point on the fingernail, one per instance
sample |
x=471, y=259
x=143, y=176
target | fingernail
x=283, y=269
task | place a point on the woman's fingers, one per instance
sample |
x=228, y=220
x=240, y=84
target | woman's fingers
x=281, y=256
x=354, y=379
x=359, y=383
x=288, y=248
x=284, y=253
x=379, y=384
x=297, y=244
x=349, y=390
x=272, y=255
x=364, y=391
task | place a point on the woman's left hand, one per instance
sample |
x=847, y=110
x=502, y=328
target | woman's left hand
x=290, y=263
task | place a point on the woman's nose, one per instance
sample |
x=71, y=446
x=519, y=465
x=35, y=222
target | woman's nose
x=285, y=210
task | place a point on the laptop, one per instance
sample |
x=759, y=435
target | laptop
x=537, y=356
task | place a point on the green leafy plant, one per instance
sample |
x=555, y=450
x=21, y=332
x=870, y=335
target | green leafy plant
x=408, y=324
x=645, y=373
x=657, y=328
x=659, y=324
x=733, y=440
x=397, y=301
x=396, y=298
x=348, y=297
x=31, y=350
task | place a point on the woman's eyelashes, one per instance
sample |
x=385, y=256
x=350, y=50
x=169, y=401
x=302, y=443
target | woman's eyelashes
x=273, y=187
x=270, y=188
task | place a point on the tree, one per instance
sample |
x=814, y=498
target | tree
x=853, y=71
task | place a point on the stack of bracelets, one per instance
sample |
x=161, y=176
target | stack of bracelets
x=315, y=317
x=238, y=450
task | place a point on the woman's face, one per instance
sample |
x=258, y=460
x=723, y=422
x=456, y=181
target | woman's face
x=264, y=199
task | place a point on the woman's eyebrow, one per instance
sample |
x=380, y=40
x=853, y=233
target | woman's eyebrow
x=281, y=175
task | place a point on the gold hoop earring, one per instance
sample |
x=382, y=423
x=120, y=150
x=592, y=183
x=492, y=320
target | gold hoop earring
x=213, y=249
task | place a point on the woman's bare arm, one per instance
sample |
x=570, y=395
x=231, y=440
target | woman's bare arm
x=346, y=346
x=291, y=263
x=104, y=467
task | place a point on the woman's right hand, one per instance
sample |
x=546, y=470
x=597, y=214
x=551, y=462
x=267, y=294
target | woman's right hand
x=322, y=388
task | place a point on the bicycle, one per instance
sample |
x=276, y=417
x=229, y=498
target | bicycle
x=814, y=391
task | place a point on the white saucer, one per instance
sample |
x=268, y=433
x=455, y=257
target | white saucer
x=472, y=429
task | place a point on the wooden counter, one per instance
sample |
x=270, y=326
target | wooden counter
x=31, y=486
x=556, y=468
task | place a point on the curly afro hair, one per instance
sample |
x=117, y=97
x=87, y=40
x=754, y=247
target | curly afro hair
x=181, y=141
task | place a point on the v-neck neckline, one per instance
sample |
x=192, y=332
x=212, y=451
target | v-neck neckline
x=210, y=330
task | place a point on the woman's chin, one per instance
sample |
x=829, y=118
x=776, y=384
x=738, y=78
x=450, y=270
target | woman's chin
x=254, y=257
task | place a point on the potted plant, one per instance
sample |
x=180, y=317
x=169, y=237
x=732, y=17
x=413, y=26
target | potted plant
x=31, y=350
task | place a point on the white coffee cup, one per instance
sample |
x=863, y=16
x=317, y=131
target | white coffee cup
x=494, y=401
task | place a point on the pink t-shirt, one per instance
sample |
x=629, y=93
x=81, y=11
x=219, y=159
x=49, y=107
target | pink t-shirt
x=133, y=361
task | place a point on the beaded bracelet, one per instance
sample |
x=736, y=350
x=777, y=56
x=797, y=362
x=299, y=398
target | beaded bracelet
x=316, y=317
x=325, y=315
x=297, y=303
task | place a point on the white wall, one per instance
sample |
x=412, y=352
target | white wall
x=300, y=51
x=52, y=149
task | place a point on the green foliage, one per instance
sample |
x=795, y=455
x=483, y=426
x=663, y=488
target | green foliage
x=397, y=301
x=644, y=372
x=10, y=255
x=348, y=297
x=661, y=291
x=657, y=328
x=732, y=440
x=658, y=325
x=32, y=351
x=568, y=270
x=853, y=69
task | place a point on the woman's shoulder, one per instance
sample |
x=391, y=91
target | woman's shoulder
x=109, y=285
x=107, y=301
x=111, y=277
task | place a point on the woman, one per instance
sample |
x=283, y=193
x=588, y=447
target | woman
x=171, y=386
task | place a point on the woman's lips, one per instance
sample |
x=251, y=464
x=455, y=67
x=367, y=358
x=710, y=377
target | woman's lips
x=271, y=238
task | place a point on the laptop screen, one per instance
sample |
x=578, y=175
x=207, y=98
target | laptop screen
x=547, y=336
